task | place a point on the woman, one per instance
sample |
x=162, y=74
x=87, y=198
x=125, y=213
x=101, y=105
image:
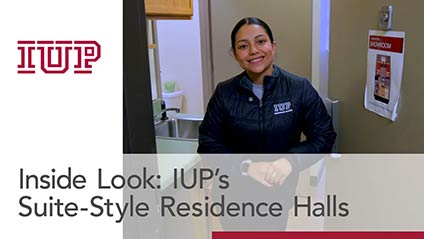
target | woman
x=265, y=109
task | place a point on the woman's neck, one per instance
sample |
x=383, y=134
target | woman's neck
x=258, y=78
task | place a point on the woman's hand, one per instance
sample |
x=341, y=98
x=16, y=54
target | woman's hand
x=270, y=173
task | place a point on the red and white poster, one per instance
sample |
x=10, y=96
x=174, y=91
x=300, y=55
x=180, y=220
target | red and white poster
x=384, y=72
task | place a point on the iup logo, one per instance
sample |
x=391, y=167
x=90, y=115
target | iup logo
x=54, y=57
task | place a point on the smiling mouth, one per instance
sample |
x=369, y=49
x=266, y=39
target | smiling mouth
x=255, y=60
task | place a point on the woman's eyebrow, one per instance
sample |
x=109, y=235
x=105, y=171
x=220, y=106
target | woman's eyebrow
x=242, y=40
x=256, y=37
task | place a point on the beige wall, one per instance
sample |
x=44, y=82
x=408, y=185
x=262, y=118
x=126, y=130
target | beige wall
x=290, y=21
x=362, y=130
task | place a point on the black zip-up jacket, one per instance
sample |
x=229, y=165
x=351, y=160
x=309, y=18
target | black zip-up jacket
x=236, y=121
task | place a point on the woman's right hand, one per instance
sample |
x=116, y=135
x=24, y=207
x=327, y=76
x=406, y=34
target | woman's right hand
x=270, y=173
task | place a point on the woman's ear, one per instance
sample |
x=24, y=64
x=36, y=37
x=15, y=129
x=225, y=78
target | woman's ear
x=231, y=52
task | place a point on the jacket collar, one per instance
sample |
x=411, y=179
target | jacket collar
x=269, y=80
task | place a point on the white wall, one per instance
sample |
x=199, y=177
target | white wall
x=320, y=45
x=180, y=58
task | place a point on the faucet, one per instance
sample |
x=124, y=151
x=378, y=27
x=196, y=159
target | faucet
x=163, y=112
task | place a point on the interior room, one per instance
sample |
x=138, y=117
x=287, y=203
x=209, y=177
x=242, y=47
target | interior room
x=176, y=54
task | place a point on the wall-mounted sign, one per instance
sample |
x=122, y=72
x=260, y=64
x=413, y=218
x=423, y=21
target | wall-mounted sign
x=384, y=72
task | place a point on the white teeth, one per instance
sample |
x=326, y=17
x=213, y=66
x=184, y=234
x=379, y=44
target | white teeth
x=256, y=60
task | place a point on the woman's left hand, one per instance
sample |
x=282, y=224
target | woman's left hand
x=278, y=172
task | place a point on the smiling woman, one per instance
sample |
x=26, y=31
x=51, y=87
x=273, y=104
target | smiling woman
x=265, y=109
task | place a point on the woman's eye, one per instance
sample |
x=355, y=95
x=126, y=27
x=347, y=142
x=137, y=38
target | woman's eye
x=261, y=41
x=241, y=47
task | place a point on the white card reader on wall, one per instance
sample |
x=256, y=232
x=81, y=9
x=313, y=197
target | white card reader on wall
x=385, y=22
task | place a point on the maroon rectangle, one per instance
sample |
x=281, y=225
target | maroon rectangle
x=390, y=44
x=26, y=72
x=317, y=235
x=45, y=42
x=26, y=42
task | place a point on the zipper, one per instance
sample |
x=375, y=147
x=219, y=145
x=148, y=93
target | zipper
x=261, y=123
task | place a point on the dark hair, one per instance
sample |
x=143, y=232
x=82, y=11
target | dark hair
x=249, y=21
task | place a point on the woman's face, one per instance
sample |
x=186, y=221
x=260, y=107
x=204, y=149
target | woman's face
x=253, y=50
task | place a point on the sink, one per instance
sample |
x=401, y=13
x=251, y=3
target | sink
x=184, y=129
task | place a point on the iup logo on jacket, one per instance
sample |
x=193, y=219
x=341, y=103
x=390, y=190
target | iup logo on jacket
x=57, y=57
x=282, y=108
